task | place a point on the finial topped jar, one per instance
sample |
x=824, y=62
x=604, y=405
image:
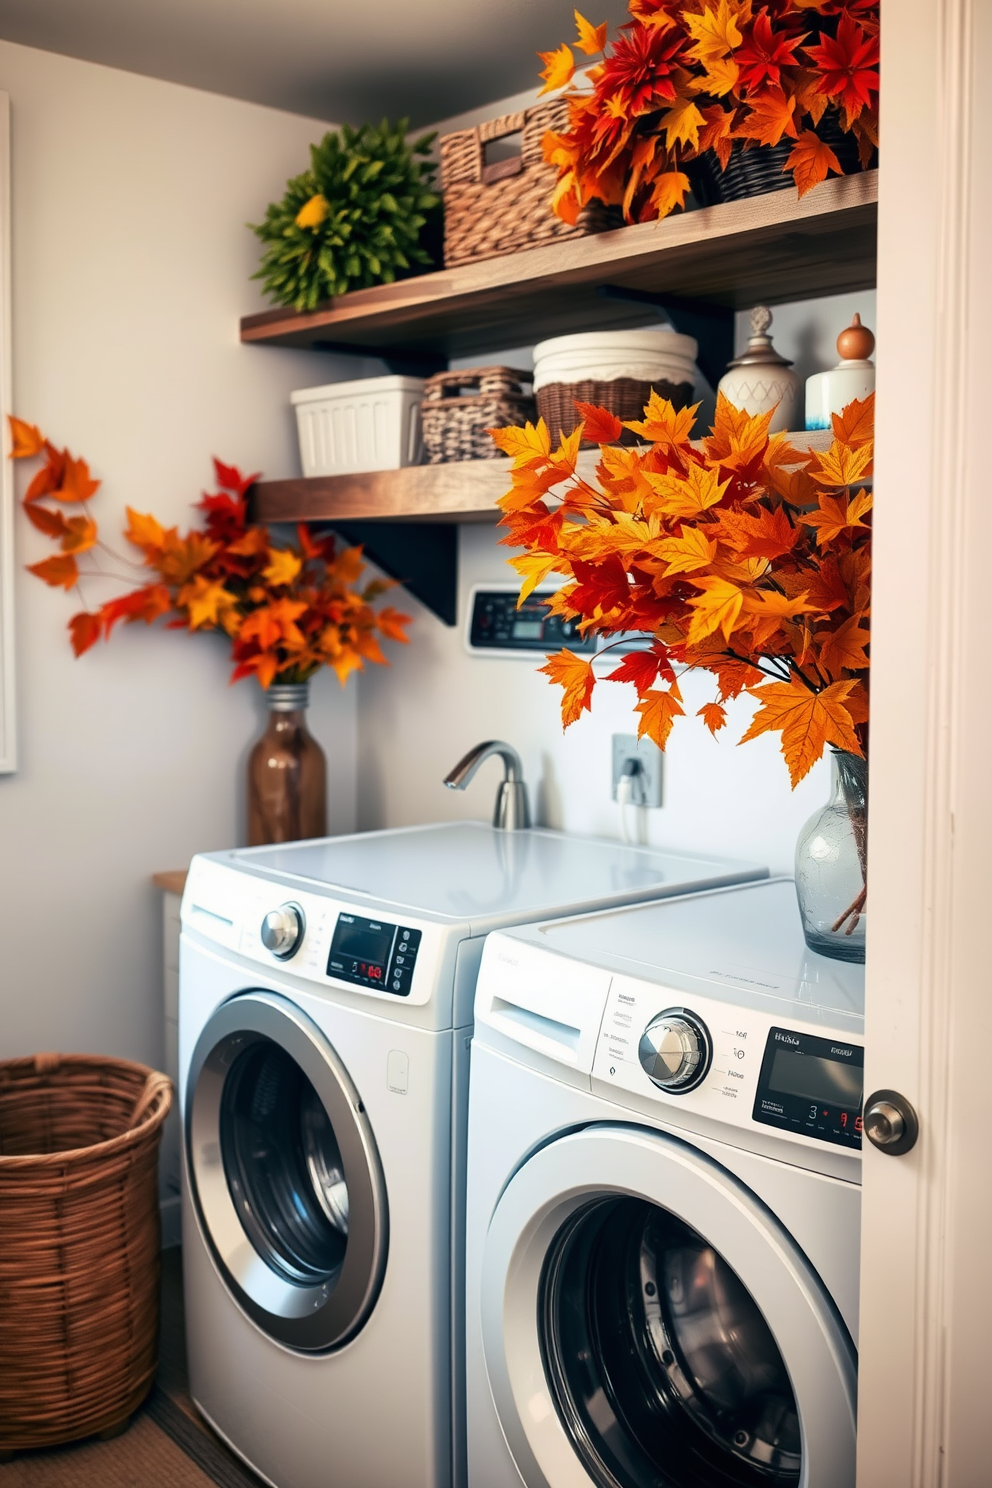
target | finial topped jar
x=853, y=377
x=760, y=378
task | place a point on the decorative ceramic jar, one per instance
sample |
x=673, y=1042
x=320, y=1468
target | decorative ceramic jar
x=760, y=379
x=832, y=865
x=287, y=772
x=853, y=377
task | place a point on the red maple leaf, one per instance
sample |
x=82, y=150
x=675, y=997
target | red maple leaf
x=849, y=66
x=643, y=668
x=764, y=53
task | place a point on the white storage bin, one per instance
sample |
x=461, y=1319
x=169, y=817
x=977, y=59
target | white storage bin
x=372, y=424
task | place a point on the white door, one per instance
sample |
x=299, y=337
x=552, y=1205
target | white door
x=631, y=1342
x=926, y=1286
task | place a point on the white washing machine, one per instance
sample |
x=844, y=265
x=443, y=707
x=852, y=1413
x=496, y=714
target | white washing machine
x=323, y=1086
x=664, y=1201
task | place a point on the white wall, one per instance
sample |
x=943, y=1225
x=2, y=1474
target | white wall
x=416, y=722
x=131, y=268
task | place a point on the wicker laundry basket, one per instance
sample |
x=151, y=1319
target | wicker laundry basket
x=459, y=407
x=79, y=1245
x=493, y=207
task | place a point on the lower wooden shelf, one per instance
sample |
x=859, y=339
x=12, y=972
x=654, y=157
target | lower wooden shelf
x=463, y=491
x=407, y=520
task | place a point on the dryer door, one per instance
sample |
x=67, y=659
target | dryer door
x=647, y=1323
x=284, y=1173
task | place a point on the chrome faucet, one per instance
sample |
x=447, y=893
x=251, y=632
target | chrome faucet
x=512, y=812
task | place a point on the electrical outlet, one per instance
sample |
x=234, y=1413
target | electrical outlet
x=647, y=789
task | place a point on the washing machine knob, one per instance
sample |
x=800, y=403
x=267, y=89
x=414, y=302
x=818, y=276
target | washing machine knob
x=675, y=1051
x=282, y=930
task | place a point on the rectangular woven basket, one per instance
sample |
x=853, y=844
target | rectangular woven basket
x=624, y=396
x=493, y=207
x=459, y=407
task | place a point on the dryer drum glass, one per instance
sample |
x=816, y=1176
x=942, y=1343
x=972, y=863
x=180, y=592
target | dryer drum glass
x=662, y=1368
x=283, y=1166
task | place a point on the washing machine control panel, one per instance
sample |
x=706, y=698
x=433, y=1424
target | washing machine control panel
x=736, y=1065
x=373, y=953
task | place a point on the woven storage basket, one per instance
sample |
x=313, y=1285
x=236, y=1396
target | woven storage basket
x=497, y=207
x=79, y=1244
x=624, y=396
x=455, y=421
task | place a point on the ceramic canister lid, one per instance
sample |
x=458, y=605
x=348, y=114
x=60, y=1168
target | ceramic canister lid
x=856, y=343
x=759, y=349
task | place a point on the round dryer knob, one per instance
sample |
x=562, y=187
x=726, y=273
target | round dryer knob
x=282, y=930
x=675, y=1051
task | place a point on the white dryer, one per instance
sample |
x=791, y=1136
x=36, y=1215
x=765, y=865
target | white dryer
x=323, y=1084
x=664, y=1201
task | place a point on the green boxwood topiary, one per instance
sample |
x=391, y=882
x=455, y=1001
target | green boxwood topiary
x=352, y=220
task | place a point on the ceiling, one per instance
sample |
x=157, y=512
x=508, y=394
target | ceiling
x=341, y=60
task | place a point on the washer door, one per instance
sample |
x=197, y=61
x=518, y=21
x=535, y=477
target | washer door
x=647, y=1323
x=284, y=1173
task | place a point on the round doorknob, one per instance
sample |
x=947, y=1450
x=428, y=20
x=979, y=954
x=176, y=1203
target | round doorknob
x=890, y=1122
x=675, y=1051
x=282, y=930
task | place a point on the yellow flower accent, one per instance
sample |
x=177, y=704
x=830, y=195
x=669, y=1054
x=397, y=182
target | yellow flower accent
x=313, y=212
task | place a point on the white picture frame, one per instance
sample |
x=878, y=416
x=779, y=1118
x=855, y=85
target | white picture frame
x=8, y=737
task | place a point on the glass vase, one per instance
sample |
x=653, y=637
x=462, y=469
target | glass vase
x=832, y=865
x=287, y=772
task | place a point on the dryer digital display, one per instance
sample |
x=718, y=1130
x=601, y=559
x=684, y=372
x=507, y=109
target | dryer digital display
x=373, y=953
x=811, y=1085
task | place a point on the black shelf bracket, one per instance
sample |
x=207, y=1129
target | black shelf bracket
x=422, y=556
x=711, y=325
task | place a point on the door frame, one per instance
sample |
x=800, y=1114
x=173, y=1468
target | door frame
x=926, y=1285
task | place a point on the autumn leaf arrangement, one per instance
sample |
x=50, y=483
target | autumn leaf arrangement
x=737, y=554
x=287, y=610
x=681, y=80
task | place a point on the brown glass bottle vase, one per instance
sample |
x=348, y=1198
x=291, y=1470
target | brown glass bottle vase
x=287, y=772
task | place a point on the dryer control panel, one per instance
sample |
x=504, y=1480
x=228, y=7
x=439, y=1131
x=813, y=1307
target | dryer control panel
x=735, y=1065
x=373, y=953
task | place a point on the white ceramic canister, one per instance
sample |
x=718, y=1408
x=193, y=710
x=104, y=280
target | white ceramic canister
x=760, y=379
x=853, y=377
x=659, y=354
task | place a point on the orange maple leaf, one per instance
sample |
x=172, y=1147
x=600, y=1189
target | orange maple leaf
x=855, y=424
x=669, y=191
x=688, y=553
x=26, y=440
x=659, y=711
x=51, y=523
x=599, y=425
x=810, y=160
x=60, y=572
x=575, y=675
x=808, y=721
x=713, y=716
x=843, y=649
x=79, y=535
x=77, y=483
x=771, y=115
x=663, y=423
x=85, y=630
x=686, y=496
x=838, y=514
x=144, y=531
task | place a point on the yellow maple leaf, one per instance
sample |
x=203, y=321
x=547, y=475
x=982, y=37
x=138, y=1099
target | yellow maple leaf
x=591, y=39
x=533, y=568
x=533, y=440
x=282, y=568
x=715, y=31
x=662, y=424
x=717, y=608
x=689, y=495
x=843, y=466
x=559, y=67
x=658, y=710
x=575, y=675
x=766, y=603
x=206, y=602
x=688, y=553
x=720, y=77
x=808, y=721
x=669, y=191
x=682, y=123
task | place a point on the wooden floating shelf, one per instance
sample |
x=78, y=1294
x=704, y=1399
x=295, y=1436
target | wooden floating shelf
x=463, y=491
x=767, y=249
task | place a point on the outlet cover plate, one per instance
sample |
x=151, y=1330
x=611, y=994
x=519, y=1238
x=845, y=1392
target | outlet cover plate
x=648, y=782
